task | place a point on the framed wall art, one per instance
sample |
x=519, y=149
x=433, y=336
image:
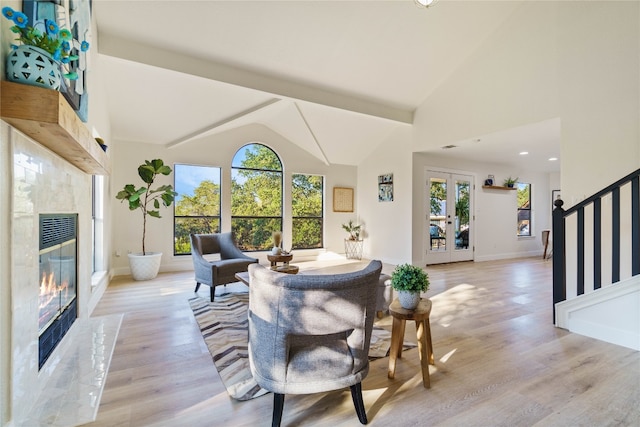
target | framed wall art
x=342, y=199
x=385, y=188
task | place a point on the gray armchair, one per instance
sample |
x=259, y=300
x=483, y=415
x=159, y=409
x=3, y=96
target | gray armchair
x=311, y=333
x=222, y=271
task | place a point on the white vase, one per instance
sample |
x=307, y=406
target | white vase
x=145, y=267
x=409, y=299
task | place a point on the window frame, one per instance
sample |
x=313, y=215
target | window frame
x=217, y=218
x=525, y=208
x=322, y=212
x=278, y=218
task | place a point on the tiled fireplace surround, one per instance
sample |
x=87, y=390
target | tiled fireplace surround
x=67, y=390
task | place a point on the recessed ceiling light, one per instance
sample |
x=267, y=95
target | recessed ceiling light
x=524, y=153
x=553, y=159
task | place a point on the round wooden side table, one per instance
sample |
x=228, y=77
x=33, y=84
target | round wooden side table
x=423, y=330
x=285, y=267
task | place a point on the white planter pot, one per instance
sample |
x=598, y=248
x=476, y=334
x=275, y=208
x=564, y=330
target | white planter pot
x=145, y=267
x=353, y=249
x=409, y=299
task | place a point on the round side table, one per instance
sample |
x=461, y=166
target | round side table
x=285, y=267
x=423, y=329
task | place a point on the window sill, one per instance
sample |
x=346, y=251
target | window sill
x=97, y=278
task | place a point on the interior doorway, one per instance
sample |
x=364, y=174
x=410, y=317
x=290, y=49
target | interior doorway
x=449, y=219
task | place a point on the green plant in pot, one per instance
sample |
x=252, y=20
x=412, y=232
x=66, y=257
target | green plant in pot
x=145, y=265
x=352, y=229
x=353, y=244
x=409, y=281
x=510, y=182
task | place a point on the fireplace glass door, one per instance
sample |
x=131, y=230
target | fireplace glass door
x=58, y=276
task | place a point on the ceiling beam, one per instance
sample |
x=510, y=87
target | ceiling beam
x=119, y=47
x=219, y=123
x=313, y=135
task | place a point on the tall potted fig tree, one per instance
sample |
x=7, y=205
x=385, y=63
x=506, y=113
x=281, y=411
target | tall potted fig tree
x=145, y=265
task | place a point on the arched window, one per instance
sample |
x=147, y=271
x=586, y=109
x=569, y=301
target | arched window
x=256, y=196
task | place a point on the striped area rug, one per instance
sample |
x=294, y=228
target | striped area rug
x=224, y=325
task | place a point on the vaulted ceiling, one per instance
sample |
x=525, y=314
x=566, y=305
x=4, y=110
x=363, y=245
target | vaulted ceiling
x=334, y=77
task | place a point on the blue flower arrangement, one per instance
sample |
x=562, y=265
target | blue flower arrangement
x=57, y=42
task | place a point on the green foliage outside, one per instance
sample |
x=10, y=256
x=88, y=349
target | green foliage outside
x=256, y=197
x=196, y=213
x=438, y=194
x=306, y=207
x=256, y=205
x=524, y=195
x=462, y=203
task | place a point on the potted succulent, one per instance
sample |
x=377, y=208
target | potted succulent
x=145, y=265
x=409, y=281
x=353, y=243
x=510, y=182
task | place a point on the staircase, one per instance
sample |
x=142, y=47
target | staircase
x=596, y=264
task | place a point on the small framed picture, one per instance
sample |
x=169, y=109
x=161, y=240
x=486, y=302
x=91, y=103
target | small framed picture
x=342, y=199
x=385, y=187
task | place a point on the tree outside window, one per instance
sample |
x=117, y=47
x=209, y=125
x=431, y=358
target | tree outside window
x=197, y=206
x=524, y=208
x=256, y=197
x=307, y=207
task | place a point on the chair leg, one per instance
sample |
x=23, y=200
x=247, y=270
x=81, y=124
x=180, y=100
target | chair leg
x=212, y=292
x=278, y=405
x=197, y=286
x=356, y=395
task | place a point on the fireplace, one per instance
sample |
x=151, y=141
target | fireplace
x=58, y=277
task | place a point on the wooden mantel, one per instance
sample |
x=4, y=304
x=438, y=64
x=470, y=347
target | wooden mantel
x=45, y=116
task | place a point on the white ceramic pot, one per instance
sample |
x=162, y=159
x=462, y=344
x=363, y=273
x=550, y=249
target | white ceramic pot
x=409, y=299
x=145, y=267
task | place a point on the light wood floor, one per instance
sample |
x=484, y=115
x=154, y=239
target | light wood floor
x=499, y=362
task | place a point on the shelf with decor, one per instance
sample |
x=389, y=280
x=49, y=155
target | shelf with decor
x=45, y=116
x=497, y=187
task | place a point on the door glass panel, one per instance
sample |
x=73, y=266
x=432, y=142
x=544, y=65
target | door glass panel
x=462, y=223
x=438, y=214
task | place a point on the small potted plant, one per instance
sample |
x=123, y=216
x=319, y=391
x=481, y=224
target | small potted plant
x=353, y=243
x=510, y=182
x=145, y=265
x=409, y=281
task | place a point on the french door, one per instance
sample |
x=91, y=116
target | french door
x=449, y=217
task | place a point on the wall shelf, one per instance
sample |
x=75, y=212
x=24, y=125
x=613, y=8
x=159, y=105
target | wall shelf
x=45, y=116
x=497, y=187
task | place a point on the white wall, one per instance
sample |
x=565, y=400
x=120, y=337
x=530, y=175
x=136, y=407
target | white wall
x=599, y=86
x=509, y=81
x=387, y=224
x=495, y=211
x=217, y=150
x=578, y=61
